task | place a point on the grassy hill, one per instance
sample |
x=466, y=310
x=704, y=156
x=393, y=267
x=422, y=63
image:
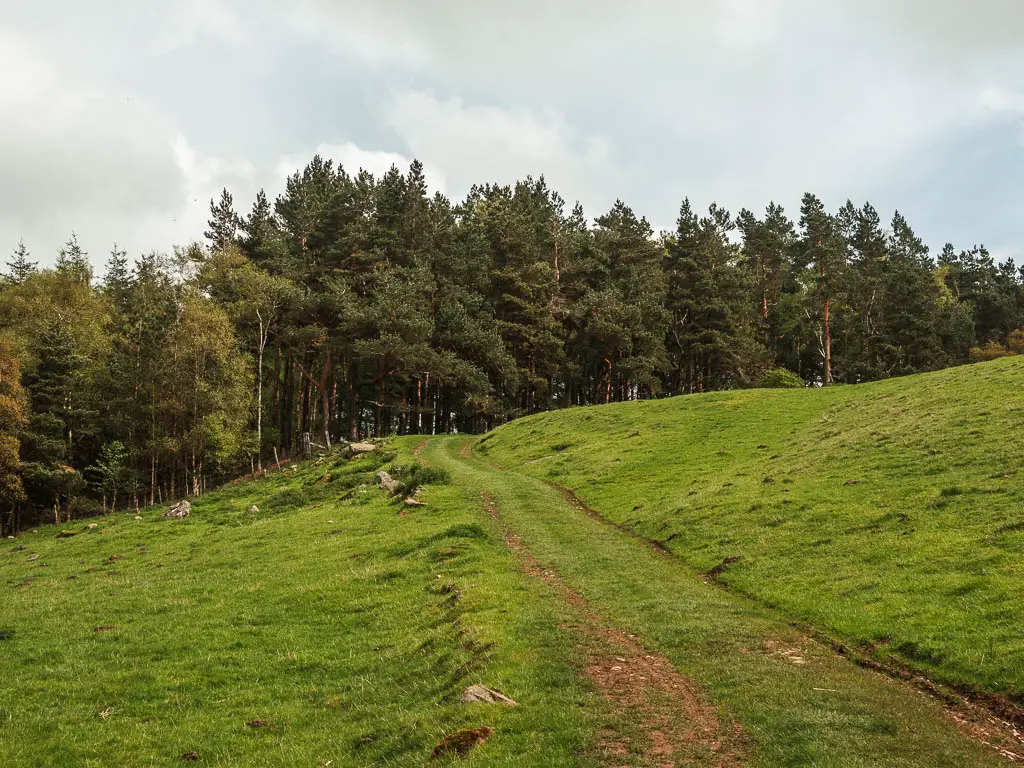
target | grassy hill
x=337, y=627
x=889, y=514
x=318, y=631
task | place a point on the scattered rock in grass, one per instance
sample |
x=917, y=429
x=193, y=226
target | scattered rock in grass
x=138, y=517
x=191, y=757
x=19, y=548
x=254, y=510
x=483, y=694
x=113, y=559
x=387, y=482
x=33, y=558
x=412, y=501
x=355, y=449
x=93, y=526
x=178, y=510
x=460, y=742
x=104, y=628
x=66, y=534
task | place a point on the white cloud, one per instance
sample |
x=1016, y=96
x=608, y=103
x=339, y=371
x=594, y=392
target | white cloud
x=476, y=144
x=195, y=20
x=353, y=159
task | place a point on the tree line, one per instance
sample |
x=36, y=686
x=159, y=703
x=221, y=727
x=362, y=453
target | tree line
x=354, y=306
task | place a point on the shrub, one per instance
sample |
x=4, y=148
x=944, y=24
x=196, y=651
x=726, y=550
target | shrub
x=990, y=351
x=413, y=476
x=780, y=378
x=1015, y=342
x=286, y=499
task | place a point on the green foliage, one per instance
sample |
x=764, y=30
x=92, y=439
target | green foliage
x=780, y=378
x=410, y=477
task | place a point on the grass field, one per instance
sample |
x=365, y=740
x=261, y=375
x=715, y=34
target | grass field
x=348, y=631
x=889, y=514
x=334, y=627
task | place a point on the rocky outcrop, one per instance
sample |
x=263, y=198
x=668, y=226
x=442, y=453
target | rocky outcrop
x=178, y=510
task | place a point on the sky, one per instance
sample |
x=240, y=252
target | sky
x=121, y=120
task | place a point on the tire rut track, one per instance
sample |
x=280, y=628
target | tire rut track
x=676, y=725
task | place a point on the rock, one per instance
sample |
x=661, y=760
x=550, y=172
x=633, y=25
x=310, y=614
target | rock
x=254, y=510
x=481, y=693
x=138, y=517
x=412, y=501
x=361, y=448
x=179, y=510
x=93, y=526
x=387, y=482
x=460, y=742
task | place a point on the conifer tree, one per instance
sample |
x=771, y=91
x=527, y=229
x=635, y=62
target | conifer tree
x=52, y=386
x=224, y=222
x=822, y=253
x=19, y=268
x=73, y=262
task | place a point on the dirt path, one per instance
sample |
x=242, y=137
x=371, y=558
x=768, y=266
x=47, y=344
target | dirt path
x=659, y=717
x=991, y=720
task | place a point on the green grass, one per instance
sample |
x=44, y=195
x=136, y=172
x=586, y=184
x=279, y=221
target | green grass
x=347, y=629
x=888, y=514
x=823, y=712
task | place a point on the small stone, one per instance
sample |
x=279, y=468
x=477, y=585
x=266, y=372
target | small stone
x=179, y=510
x=483, y=694
x=387, y=482
x=254, y=510
x=412, y=501
x=93, y=526
x=362, y=447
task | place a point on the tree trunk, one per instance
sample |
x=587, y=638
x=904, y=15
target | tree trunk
x=828, y=343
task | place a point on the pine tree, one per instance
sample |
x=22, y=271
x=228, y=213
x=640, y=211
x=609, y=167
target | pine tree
x=20, y=268
x=117, y=278
x=822, y=252
x=73, y=262
x=52, y=389
x=224, y=222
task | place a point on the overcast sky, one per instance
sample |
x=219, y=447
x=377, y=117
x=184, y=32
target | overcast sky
x=121, y=120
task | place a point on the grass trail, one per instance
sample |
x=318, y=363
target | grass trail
x=890, y=514
x=795, y=700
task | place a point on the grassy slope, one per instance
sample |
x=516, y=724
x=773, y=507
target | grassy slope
x=329, y=620
x=887, y=513
x=798, y=703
